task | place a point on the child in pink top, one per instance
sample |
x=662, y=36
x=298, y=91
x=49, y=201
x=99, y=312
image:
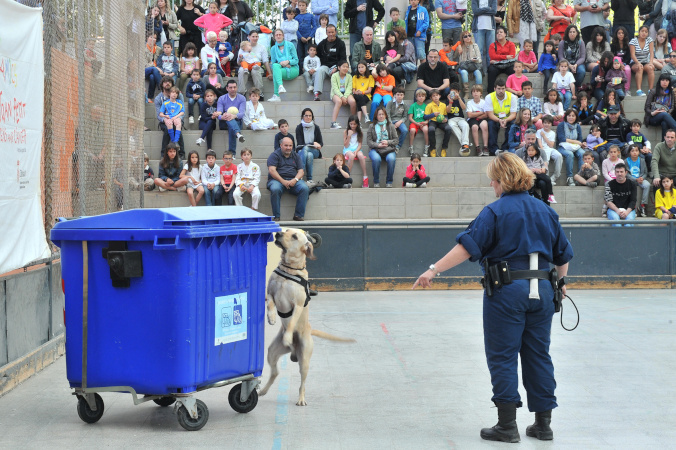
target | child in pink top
x=415, y=173
x=515, y=80
x=528, y=58
x=608, y=166
x=213, y=21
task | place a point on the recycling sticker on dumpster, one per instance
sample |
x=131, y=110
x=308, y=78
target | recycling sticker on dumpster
x=231, y=318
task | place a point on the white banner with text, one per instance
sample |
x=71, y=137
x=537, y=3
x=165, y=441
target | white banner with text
x=22, y=232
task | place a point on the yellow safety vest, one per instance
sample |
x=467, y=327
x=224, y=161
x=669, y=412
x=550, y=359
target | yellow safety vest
x=504, y=110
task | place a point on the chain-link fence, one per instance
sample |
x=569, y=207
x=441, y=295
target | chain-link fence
x=93, y=130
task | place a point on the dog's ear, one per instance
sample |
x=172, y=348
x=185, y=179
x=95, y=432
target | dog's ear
x=309, y=250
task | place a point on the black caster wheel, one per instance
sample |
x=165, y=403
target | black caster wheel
x=86, y=413
x=237, y=404
x=188, y=422
x=165, y=401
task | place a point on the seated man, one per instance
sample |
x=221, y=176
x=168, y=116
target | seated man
x=231, y=122
x=285, y=174
x=367, y=49
x=330, y=51
x=620, y=196
x=166, y=84
x=433, y=75
x=501, y=107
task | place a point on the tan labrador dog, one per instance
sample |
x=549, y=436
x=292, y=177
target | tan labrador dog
x=288, y=298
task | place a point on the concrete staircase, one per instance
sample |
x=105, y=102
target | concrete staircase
x=458, y=188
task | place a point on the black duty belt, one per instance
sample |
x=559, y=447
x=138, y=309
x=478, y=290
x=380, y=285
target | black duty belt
x=499, y=274
x=296, y=279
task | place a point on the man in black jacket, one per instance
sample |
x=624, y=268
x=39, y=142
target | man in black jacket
x=330, y=51
x=614, y=130
x=360, y=13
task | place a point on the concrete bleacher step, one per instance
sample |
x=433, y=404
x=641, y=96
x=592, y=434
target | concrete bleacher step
x=400, y=203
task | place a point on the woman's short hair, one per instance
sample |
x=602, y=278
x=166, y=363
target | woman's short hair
x=511, y=172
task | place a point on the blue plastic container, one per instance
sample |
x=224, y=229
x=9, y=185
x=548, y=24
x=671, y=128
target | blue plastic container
x=194, y=317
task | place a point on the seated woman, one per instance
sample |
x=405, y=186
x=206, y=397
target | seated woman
x=469, y=58
x=309, y=142
x=517, y=132
x=284, y=60
x=642, y=54
x=573, y=50
x=659, y=105
x=498, y=52
x=598, y=75
x=382, y=139
x=393, y=52
x=570, y=142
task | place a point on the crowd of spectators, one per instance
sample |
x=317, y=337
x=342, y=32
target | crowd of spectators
x=501, y=44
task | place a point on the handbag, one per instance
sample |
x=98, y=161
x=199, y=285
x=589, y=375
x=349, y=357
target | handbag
x=469, y=66
x=505, y=63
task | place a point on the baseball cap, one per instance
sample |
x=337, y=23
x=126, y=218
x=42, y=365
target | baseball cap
x=613, y=110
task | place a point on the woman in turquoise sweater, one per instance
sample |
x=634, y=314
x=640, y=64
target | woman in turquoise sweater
x=284, y=61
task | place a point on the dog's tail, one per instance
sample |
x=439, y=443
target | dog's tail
x=324, y=335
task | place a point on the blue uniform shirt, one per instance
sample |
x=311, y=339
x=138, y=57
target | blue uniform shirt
x=172, y=109
x=514, y=226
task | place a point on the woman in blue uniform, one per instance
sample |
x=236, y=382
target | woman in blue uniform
x=510, y=229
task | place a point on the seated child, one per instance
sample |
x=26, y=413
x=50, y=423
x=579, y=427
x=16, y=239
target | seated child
x=608, y=165
x=148, y=174
x=194, y=92
x=415, y=173
x=446, y=54
x=311, y=64
x=224, y=52
x=247, y=179
x=638, y=138
x=417, y=121
x=171, y=112
x=637, y=171
x=254, y=114
x=397, y=111
x=339, y=174
x=547, y=142
x=192, y=172
x=211, y=180
x=245, y=58
x=477, y=119
x=352, y=141
x=589, y=172
x=535, y=163
x=515, y=80
x=228, y=172
x=665, y=201
x=283, y=126
x=528, y=58
x=595, y=142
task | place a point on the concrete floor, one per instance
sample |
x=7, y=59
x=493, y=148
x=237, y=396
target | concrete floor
x=416, y=379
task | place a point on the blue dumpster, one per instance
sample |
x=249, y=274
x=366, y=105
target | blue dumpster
x=164, y=303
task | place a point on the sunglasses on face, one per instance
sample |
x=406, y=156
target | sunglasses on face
x=672, y=56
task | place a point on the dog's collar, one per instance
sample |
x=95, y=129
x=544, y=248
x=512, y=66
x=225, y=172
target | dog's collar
x=292, y=268
x=296, y=279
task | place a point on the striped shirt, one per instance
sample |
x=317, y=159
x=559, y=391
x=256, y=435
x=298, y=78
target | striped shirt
x=642, y=54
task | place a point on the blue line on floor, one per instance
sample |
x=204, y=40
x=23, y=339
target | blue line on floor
x=282, y=414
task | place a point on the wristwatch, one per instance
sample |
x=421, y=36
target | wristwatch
x=296, y=180
x=434, y=269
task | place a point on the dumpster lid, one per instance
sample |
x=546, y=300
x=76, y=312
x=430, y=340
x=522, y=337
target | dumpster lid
x=165, y=218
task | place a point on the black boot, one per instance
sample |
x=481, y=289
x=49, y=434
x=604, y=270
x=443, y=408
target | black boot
x=505, y=430
x=541, y=429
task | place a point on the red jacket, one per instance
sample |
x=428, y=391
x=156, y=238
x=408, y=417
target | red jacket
x=497, y=52
x=410, y=173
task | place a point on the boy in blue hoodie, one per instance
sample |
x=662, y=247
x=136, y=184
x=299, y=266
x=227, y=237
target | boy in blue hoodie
x=417, y=21
x=306, y=30
x=194, y=92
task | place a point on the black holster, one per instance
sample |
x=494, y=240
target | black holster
x=495, y=276
x=558, y=289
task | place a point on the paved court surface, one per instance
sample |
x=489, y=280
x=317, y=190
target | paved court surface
x=416, y=379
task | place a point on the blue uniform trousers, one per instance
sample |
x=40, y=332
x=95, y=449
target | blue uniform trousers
x=515, y=324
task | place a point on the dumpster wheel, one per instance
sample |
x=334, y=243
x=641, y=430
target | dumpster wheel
x=236, y=402
x=165, y=401
x=86, y=413
x=188, y=422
